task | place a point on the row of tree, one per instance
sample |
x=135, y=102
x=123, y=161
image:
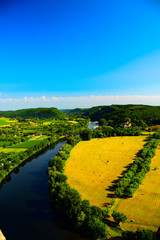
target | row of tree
x=107, y=131
x=135, y=173
x=88, y=219
x=144, y=234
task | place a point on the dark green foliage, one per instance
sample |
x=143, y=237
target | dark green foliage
x=157, y=134
x=86, y=208
x=145, y=234
x=73, y=140
x=95, y=228
x=41, y=113
x=128, y=235
x=115, y=115
x=102, y=122
x=86, y=134
x=119, y=217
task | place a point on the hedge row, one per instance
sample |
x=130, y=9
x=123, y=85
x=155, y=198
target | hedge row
x=88, y=219
x=134, y=175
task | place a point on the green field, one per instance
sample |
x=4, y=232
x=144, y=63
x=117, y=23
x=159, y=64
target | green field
x=6, y=121
x=29, y=143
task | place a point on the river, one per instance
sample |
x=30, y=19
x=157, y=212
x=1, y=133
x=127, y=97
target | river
x=25, y=212
x=93, y=125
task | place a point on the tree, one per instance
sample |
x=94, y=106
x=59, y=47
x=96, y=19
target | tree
x=86, y=134
x=119, y=217
x=128, y=235
x=102, y=122
x=95, y=228
x=86, y=208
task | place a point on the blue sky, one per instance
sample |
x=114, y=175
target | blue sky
x=79, y=53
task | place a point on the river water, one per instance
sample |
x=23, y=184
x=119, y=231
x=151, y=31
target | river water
x=25, y=212
x=93, y=125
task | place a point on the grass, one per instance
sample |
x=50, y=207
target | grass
x=144, y=207
x=94, y=165
x=6, y=122
x=30, y=143
x=4, y=142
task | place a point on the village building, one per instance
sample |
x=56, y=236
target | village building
x=126, y=124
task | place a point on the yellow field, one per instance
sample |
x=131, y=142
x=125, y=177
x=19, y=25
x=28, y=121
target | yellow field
x=144, y=207
x=12, y=149
x=73, y=121
x=93, y=165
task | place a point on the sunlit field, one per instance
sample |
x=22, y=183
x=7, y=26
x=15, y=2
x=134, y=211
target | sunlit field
x=94, y=165
x=144, y=208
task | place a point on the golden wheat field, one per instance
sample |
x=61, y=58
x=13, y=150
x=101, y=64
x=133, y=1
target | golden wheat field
x=144, y=207
x=95, y=164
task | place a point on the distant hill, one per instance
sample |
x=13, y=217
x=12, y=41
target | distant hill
x=30, y=113
x=118, y=114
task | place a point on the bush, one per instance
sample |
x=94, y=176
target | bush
x=119, y=217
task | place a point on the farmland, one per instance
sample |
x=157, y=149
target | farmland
x=144, y=207
x=94, y=165
x=20, y=139
x=6, y=122
x=30, y=143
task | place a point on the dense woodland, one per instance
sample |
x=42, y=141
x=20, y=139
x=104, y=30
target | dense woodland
x=115, y=115
x=41, y=113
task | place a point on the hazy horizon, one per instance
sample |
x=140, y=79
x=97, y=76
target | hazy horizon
x=81, y=107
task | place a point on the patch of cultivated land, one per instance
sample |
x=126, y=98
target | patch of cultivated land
x=95, y=164
x=6, y=122
x=30, y=143
x=144, y=207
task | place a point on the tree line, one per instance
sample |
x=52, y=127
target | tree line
x=91, y=220
x=107, y=131
x=135, y=173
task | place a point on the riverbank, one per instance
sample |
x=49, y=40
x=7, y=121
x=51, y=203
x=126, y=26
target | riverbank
x=30, y=154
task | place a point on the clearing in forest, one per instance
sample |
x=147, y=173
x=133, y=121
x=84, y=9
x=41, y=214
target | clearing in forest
x=144, y=207
x=95, y=164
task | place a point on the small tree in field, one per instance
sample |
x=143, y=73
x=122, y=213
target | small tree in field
x=119, y=217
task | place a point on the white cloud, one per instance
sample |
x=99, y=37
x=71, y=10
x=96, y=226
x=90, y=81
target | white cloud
x=76, y=102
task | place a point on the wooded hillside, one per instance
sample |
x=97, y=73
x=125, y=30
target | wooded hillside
x=118, y=114
x=40, y=113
